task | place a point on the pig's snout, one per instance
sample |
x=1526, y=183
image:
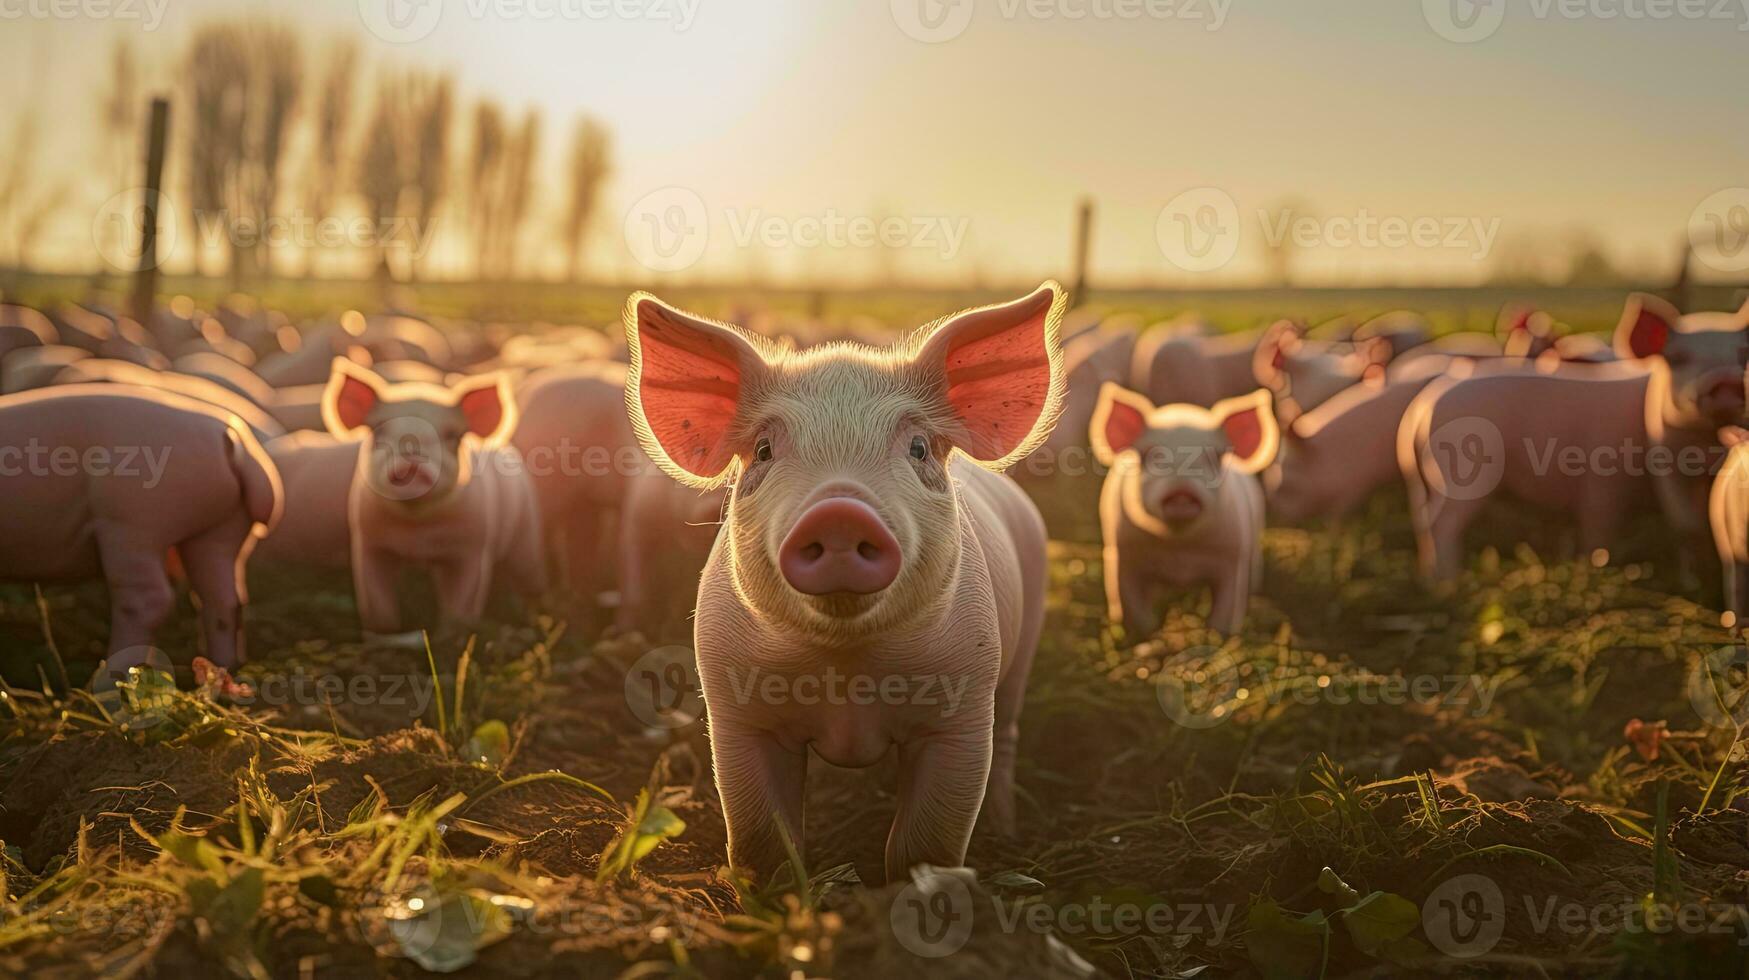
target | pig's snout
x=1180, y=506
x=839, y=545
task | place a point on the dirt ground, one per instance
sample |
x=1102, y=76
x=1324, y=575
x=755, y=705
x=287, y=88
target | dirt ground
x=1371, y=779
x=1540, y=770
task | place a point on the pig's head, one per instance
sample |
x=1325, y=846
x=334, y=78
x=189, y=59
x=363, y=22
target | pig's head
x=843, y=518
x=1524, y=331
x=415, y=433
x=1307, y=373
x=1174, y=460
x=1698, y=359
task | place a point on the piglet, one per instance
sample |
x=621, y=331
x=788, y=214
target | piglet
x=106, y=479
x=434, y=490
x=1304, y=373
x=1597, y=441
x=1728, y=510
x=877, y=581
x=316, y=470
x=1178, y=363
x=1181, y=504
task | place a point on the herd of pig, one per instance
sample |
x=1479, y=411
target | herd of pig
x=816, y=508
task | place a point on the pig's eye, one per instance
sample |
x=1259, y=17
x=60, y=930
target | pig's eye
x=919, y=448
x=762, y=451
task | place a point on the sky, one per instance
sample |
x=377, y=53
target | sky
x=1368, y=141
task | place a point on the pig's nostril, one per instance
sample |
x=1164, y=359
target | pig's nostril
x=839, y=545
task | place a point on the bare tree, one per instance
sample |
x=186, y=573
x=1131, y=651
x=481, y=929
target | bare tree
x=589, y=167
x=118, y=113
x=244, y=87
x=519, y=178
x=25, y=207
x=381, y=165
x=432, y=109
x=330, y=128
x=483, y=191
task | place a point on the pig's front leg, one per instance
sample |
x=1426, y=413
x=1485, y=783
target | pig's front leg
x=462, y=584
x=760, y=782
x=373, y=584
x=1133, y=604
x=941, y=788
x=1228, y=598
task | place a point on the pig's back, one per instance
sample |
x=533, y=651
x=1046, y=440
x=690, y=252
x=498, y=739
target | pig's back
x=316, y=471
x=158, y=464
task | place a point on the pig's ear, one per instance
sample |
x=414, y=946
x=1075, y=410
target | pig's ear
x=1252, y=435
x=351, y=394
x=1375, y=355
x=1731, y=436
x=1119, y=419
x=1514, y=319
x=1000, y=373
x=1646, y=325
x=488, y=406
x=685, y=384
x=1269, y=360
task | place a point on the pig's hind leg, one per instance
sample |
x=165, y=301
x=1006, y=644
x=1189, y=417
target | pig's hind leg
x=214, y=560
x=140, y=595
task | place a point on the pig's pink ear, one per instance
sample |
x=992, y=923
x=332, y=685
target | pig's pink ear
x=1269, y=361
x=351, y=394
x=1646, y=325
x=684, y=387
x=1731, y=436
x=1514, y=318
x=1119, y=419
x=488, y=406
x=1000, y=369
x=1252, y=434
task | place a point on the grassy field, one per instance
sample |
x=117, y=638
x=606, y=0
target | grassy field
x=1373, y=779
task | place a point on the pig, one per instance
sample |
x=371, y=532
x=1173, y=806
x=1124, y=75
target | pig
x=309, y=356
x=1181, y=504
x=1402, y=328
x=1644, y=431
x=1090, y=360
x=222, y=370
x=21, y=327
x=100, y=370
x=434, y=489
x=149, y=471
x=298, y=407
x=581, y=452
x=1302, y=374
x=666, y=530
x=1728, y=513
x=316, y=472
x=1333, y=458
x=1176, y=364
x=36, y=367
x=868, y=529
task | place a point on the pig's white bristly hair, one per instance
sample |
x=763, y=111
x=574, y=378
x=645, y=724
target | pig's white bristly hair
x=847, y=390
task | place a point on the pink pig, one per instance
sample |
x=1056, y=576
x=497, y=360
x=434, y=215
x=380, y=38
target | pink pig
x=581, y=452
x=1303, y=374
x=316, y=470
x=434, y=489
x=1336, y=456
x=868, y=533
x=1728, y=510
x=666, y=530
x=1598, y=441
x=1181, y=504
x=105, y=479
x=1175, y=363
